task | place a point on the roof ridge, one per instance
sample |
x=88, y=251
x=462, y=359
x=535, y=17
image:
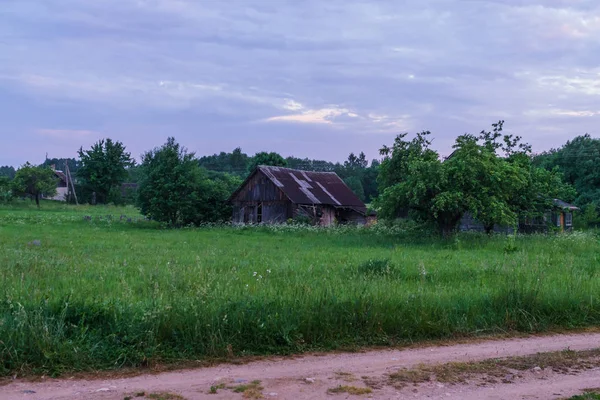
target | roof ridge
x=298, y=170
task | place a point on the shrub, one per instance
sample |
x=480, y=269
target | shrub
x=511, y=244
x=6, y=193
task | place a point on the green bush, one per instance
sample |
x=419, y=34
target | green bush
x=6, y=192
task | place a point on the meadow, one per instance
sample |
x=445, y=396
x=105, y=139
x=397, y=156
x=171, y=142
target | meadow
x=82, y=291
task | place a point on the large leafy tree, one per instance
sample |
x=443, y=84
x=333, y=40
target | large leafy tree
x=175, y=190
x=474, y=179
x=264, y=158
x=103, y=169
x=35, y=182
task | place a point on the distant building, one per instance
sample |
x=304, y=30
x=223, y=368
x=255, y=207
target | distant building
x=275, y=194
x=560, y=215
x=62, y=187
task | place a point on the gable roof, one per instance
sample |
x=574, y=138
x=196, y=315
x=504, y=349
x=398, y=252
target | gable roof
x=61, y=175
x=564, y=205
x=308, y=187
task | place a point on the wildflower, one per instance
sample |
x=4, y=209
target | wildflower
x=254, y=274
x=268, y=271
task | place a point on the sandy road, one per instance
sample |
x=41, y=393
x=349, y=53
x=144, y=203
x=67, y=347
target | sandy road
x=311, y=376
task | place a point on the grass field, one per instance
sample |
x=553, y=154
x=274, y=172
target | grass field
x=102, y=293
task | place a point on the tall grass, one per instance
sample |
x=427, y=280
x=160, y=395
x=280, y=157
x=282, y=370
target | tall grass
x=102, y=293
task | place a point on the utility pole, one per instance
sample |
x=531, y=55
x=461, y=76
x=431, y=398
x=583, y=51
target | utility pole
x=70, y=180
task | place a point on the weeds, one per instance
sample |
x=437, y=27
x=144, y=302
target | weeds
x=164, y=396
x=588, y=394
x=456, y=372
x=252, y=390
x=354, y=390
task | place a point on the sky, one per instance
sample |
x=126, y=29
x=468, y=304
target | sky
x=308, y=78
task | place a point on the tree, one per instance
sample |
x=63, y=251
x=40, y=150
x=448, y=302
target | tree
x=7, y=171
x=175, y=190
x=579, y=161
x=103, y=169
x=235, y=163
x=264, y=158
x=488, y=182
x=59, y=163
x=589, y=218
x=6, y=190
x=474, y=179
x=356, y=186
x=369, y=181
x=35, y=182
x=356, y=162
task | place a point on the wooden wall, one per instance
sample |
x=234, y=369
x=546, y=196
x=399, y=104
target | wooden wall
x=260, y=195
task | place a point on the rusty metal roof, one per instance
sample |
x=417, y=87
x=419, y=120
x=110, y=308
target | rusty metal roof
x=61, y=175
x=308, y=187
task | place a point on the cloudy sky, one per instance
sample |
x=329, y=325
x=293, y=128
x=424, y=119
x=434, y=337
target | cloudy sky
x=309, y=78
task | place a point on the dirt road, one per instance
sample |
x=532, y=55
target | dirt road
x=424, y=374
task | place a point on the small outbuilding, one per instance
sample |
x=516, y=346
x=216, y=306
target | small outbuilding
x=272, y=195
x=559, y=215
x=62, y=186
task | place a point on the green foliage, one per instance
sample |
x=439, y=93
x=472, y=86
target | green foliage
x=120, y=294
x=234, y=163
x=511, y=244
x=103, y=169
x=589, y=394
x=356, y=162
x=264, y=158
x=380, y=267
x=35, y=182
x=173, y=189
x=6, y=189
x=59, y=164
x=589, y=218
x=354, y=183
x=495, y=190
x=579, y=161
x=8, y=171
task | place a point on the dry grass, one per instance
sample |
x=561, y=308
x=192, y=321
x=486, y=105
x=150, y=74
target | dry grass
x=165, y=396
x=453, y=373
x=345, y=376
x=353, y=390
x=252, y=390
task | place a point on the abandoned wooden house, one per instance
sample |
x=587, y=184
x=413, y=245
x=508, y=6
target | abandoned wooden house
x=560, y=216
x=274, y=195
x=62, y=186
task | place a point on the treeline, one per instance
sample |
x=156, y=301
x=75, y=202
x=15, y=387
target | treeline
x=493, y=176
